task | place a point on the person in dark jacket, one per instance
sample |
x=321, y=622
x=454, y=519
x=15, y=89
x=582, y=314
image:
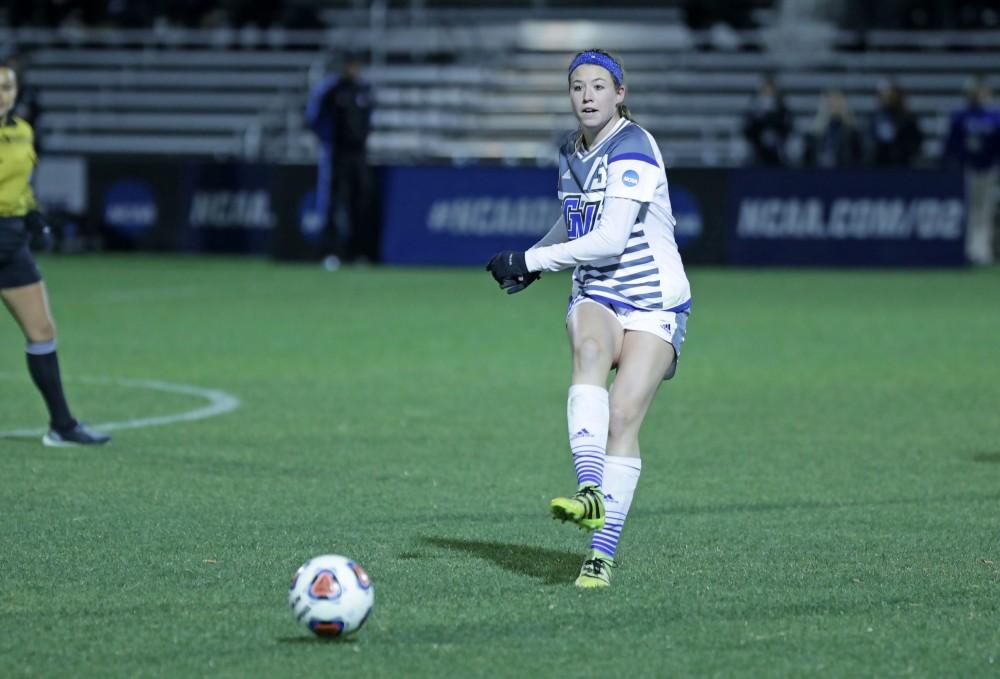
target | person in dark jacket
x=339, y=113
x=767, y=125
x=835, y=140
x=973, y=144
x=894, y=138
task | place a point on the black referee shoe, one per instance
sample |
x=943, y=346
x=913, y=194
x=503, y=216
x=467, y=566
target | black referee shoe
x=77, y=435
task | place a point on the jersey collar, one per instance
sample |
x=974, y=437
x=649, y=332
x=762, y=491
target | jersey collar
x=585, y=155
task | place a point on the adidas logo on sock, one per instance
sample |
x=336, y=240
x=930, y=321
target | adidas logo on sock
x=580, y=434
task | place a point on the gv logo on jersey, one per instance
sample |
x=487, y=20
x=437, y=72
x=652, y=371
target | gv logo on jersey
x=630, y=178
x=580, y=216
x=325, y=586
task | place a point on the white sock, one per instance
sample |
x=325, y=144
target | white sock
x=621, y=475
x=587, y=415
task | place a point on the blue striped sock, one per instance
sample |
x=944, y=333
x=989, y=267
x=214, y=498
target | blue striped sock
x=587, y=416
x=621, y=476
x=589, y=465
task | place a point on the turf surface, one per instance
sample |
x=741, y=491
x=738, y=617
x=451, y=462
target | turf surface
x=819, y=494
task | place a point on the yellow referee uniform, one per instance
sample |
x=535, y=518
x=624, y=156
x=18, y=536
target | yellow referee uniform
x=17, y=162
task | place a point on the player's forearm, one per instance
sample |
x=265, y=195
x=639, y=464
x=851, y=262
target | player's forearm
x=607, y=239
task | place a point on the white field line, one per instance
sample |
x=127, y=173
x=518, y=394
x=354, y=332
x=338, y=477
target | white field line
x=219, y=402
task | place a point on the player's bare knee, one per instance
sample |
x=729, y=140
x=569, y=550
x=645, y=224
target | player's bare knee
x=589, y=353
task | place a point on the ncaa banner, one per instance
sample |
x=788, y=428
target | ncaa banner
x=697, y=199
x=463, y=215
x=862, y=217
x=186, y=205
x=226, y=208
x=135, y=203
x=298, y=234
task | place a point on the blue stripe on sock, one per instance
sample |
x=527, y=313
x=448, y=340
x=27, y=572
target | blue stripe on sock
x=588, y=461
x=606, y=539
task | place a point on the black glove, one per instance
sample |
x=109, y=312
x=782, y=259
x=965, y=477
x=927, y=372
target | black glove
x=39, y=231
x=512, y=285
x=507, y=264
x=510, y=271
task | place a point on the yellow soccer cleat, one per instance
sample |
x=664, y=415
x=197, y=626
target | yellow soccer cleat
x=596, y=571
x=585, y=508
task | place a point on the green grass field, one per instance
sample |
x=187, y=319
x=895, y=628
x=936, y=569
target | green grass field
x=819, y=494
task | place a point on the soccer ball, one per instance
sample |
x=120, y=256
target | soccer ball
x=331, y=595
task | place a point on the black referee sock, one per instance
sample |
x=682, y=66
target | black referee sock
x=43, y=364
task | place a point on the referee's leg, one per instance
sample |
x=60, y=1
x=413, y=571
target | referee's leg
x=29, y=305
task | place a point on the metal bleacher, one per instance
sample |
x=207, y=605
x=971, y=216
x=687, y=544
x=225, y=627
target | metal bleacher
x=462, y=85
x=191, y=100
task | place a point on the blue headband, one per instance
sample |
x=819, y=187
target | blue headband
x=598, y=59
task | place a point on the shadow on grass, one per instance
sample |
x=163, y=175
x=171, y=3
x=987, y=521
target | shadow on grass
x=551, y=566
x=315, y=640
x=987, y=457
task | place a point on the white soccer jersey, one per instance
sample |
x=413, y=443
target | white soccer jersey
x=641, y=268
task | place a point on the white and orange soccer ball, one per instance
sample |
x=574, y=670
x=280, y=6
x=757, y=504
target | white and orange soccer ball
x=331, y=595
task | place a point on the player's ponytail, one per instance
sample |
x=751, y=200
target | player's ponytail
x=622, y=107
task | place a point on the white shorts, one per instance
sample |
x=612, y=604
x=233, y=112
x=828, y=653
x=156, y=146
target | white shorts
x=670, y=326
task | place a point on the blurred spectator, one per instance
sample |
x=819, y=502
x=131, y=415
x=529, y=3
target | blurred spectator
x=834, y=140
x=974, y=144
x=893, y=137
x=146, y=13
x=258, y=13
x=920, y=14
x=339, y=113
x=702, y=14
x=187, y=13
x=56, y=13
x=123, y=14
x=767, y=124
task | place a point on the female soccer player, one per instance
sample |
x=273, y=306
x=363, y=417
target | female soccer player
x=630, y=298
x=21, y=286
